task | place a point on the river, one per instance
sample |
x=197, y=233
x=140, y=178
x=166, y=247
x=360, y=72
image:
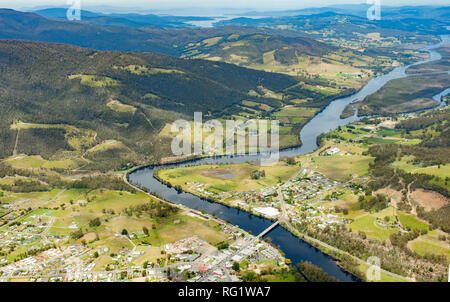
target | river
x=328, y=119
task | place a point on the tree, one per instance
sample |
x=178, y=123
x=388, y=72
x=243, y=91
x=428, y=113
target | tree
x=236, y=266
x=314, y=273
x=95, y=222
x=254, y=174
x=145, y=230
x=290, y=161
x=76, y=234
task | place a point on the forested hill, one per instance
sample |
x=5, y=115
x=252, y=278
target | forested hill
x=31, y=26
x=44, y=69
x=62, y=84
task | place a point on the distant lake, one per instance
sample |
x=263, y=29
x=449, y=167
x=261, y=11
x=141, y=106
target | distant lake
x=210, y=23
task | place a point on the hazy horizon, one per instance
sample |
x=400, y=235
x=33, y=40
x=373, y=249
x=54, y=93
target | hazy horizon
x=204, y=5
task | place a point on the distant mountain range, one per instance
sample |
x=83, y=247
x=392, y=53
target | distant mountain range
x=400, y=21
x=32, y=26
x=151, y=33
x=360, y=10
x=124, y=20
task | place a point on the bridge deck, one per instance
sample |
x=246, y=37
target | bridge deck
x=270, y=228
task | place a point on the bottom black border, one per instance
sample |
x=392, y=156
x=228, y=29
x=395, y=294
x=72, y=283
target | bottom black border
x=219, y=291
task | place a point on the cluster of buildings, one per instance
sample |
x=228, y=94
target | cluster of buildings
x=53, y=264
x=192, y=258
x=199, y=188
x=304, y=195
x=202, y=262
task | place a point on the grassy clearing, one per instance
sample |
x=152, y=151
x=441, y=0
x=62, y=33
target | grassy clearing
x=347, y=201
x=430, y=244
x=37, y=162
x=322, y=89
x=120, y=107
x=147, y=70
x=443, y=171
x=271, y=94
x=30, y=199
x=388, y=132
x=377, y=141
x=366, y=222
x=290, y=111
x=81, y=206
x=78, y=139
x=187, y=226
x=294, y=115
x=406, y=165
x=287, y=138
x=106, y=145
x=211, y=41
x=411, y=221
x=340, y=67
x=95, y=81
x=342, y=168
x=261, y=106
x=228, y=177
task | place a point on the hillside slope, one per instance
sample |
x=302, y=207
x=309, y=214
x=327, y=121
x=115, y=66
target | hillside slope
x=127, y=97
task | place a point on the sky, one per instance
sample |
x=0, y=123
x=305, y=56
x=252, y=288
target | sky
x=240, y=4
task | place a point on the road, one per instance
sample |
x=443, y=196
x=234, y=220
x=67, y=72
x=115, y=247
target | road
x=17, y=142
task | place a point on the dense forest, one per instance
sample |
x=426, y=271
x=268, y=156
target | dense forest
x=67, y=85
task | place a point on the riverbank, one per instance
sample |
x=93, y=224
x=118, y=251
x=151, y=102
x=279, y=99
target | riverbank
x=323, y=122
x=321, y=247
x=339, y=261
x=344, y=260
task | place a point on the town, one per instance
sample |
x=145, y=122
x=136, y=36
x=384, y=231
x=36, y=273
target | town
x=45, y=257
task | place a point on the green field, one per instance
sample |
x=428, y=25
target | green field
x=295, y=115
x=430, y=244
x=96, y=81
x=33, y=198
x=79, y=139
x=377, y=141
x=120, y=107
x=37, y=162
x=388, y=132
x=366, y=223
x=81, y=206
x=226, y=178
x=341, y=168
x=411, y=221
x=406, y=165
